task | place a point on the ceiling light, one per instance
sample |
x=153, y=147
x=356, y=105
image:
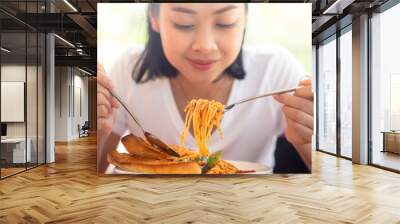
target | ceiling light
x=86, y=72
x=337, y=7
x=5, y=50
x=65, y=41
x=70, y=5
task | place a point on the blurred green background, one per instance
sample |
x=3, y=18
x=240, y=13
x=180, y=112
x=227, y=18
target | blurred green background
x=123, y=25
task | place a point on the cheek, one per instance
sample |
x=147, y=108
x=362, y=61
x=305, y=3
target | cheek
x=230, y=45
x=174, y=40
x=174, y=45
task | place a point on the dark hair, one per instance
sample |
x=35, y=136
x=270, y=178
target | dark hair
x=153, y=60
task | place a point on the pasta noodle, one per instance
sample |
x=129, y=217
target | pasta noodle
x=203, y=115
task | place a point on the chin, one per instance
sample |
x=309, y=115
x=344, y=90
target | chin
x=202, y=77
x=195, y=75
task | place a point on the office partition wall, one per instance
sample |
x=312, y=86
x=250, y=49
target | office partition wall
x=22, y=77
x=15, y=152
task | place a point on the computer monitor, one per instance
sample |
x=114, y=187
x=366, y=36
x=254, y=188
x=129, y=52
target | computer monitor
x=3, y=129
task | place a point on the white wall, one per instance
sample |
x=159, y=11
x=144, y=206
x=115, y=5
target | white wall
x=61, y=103
x=33, y=127
x=12, y=73
x=69, y=85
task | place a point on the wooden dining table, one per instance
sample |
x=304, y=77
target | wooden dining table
x=391, y=141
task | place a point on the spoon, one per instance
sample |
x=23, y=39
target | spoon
x=151, y=138
x=228, y=107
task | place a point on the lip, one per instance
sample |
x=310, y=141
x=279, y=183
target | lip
x=202, y=64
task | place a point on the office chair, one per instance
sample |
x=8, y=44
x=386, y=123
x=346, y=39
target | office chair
x=84, y=130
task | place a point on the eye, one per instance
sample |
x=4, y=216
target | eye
x=225, y=26
x=183, y=27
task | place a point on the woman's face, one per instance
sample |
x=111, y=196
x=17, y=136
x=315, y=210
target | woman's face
x=200, y=40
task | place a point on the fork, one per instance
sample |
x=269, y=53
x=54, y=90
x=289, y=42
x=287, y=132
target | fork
x=230, y=106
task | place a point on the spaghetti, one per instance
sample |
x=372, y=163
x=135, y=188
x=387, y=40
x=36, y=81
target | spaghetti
x=203, y=115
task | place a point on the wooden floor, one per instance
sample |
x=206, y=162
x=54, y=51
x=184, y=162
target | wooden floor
x=10, y=171
x=69, y=191
x=5, y=172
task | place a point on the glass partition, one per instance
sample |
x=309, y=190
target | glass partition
x=22, y=77
x=31, y=100
x=13, y=105
x=32, y=83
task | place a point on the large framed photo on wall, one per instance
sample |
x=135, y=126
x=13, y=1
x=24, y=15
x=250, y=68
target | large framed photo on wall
x=172, y=81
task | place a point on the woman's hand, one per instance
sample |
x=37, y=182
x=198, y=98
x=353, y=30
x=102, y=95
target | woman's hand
x=299, y=113
x=107, y=105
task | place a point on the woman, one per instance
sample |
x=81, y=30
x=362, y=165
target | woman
x=195, y=51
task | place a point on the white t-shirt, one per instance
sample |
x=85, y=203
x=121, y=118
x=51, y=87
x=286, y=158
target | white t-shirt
x=250, y=129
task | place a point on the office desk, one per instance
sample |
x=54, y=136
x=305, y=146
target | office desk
x=391, y=141
x=13, y=150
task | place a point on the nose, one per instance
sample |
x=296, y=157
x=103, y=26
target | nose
x=204, y=41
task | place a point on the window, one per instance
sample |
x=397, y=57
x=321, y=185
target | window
x=394, y=102
x=327, y=96
x=346, y=93
x=385, y=89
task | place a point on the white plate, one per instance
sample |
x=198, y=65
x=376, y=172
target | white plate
x=241, y=165
x=259, y=168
